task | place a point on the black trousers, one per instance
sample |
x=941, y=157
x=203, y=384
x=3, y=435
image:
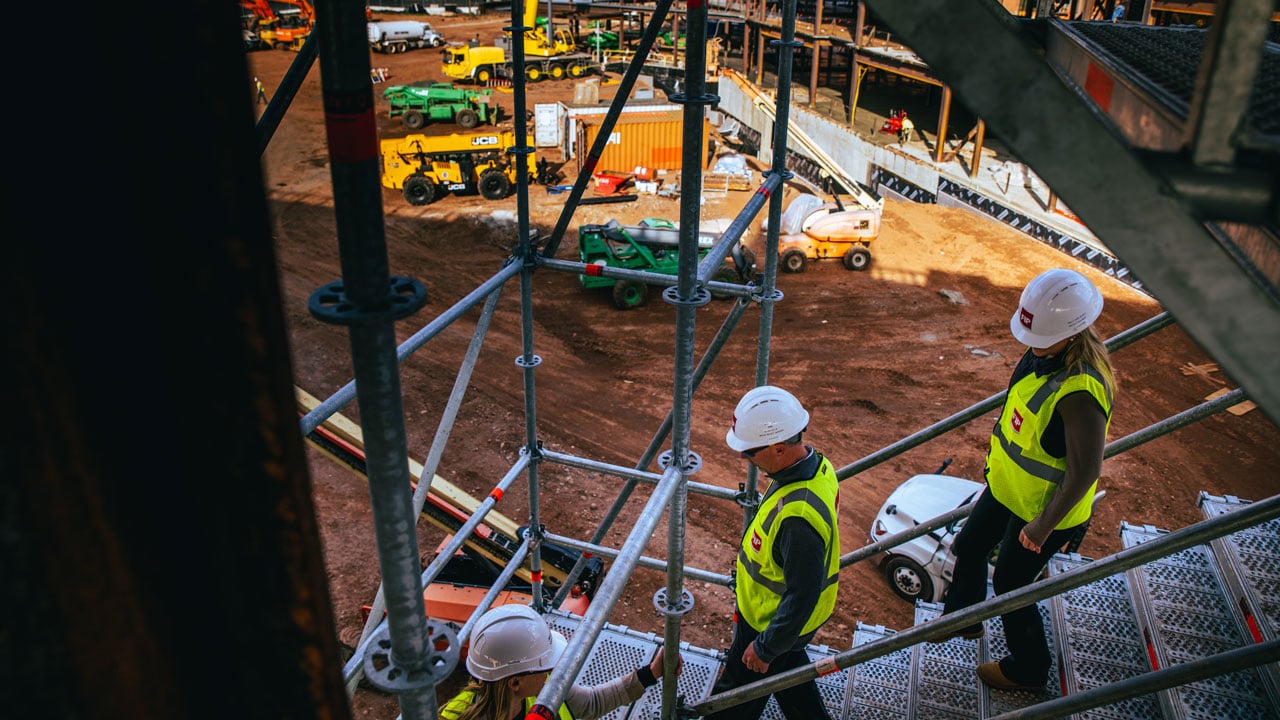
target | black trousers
x=802, y=702
x=991, y=524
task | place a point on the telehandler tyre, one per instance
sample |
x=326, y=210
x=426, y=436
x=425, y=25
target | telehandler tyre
x=857, y=258
x=419, y=190
x=494, y=185
x=467, y=118
x=413, y=120
x=627, y=294
x=483, y=76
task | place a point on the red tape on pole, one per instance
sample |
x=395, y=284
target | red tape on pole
x=351, y=126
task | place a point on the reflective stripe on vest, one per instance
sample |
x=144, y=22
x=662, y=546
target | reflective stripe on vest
x=760, y=582
x=463, y=700
x=1021, y=475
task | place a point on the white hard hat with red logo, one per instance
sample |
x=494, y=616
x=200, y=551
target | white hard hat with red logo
x=764, y=416
x=1055, y=305
x=510, y=640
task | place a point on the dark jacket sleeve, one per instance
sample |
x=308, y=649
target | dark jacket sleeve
x=800, y=552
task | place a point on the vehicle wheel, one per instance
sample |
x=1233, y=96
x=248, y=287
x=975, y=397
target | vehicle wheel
x=483, y=76
x=724, y=275
x=577, y=70
x=793, y=261
x=419, y=190
x=857, y=258
x=467, y=118
x=908, y=580
x=556, y=71
x=494, y=185
x=414, y=120
x=533, y=73
x=627, y=295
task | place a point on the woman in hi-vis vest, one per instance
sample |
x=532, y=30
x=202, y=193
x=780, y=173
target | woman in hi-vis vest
x=1042, y=467
x=512, y=651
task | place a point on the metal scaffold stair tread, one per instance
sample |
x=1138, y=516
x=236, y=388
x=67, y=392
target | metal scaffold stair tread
x=1099, y=641
x=881, y=688
x=1181, y=606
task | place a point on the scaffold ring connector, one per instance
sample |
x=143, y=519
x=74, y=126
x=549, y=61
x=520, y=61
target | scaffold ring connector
x=330, y=304
x=693, y=465
x=660, y=602
x=442, y=657
x=533, y=361
x=701, y=296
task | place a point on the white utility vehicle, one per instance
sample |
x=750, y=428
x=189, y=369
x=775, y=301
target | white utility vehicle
x=921, y=568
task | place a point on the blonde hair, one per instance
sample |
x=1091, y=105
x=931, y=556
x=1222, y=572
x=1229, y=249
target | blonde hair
x=1088, y=349
x=492, y=701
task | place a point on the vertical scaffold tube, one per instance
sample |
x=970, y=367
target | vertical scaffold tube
x=524, y=254
x=769, y=295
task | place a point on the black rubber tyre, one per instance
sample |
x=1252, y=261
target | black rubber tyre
x=533, y=73
x=494, y=185
x=483, y=76
x=419, y=190
x=467, y=118
x=908, y=580
x=627, y=295
x=413, y=120
x=794, y=261
x=857, y=258
x=724, y=275
x=577, y=70
x=556, y=71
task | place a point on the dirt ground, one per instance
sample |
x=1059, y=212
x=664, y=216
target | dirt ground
x=874, y=355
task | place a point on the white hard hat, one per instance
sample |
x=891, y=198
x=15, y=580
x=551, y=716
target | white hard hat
x=1055, y=305
x=512, y=639
x=764, y=416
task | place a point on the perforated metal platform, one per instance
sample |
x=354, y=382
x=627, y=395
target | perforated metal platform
x=1181, y=606
x=619, y=650
x=1185, y=605
x=1099, y=640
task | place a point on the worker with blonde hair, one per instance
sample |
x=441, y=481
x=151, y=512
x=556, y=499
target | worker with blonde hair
x=1042, y=468
x=512, y=652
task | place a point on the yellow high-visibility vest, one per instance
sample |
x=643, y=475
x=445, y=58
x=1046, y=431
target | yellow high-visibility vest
x=1021, y=475
x=460, y=702
x=759, y=579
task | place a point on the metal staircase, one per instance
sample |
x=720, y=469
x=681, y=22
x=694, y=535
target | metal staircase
x=1188, y=606
x=1191, y=605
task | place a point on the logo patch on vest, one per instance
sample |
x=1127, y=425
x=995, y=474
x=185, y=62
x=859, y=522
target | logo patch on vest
x=1025, y=317
x=1016, y=421
x=756, y=541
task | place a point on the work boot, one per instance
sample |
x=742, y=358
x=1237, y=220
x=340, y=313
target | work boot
x=993, y=675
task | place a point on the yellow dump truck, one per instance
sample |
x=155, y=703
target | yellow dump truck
x=425, y=168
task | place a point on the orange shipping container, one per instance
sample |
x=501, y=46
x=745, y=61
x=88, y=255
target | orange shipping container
x=651, y=140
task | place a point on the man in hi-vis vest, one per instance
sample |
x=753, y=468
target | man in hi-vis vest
x=786, y=572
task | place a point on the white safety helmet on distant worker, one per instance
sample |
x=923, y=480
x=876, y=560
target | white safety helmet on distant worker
x=510, y=640
x=764, y=416
x=1055, y=305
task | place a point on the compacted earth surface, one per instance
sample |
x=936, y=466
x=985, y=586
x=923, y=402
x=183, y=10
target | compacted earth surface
x=875, y=356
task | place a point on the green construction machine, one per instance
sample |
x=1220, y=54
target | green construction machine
x=653, y=246
x=416, y=105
